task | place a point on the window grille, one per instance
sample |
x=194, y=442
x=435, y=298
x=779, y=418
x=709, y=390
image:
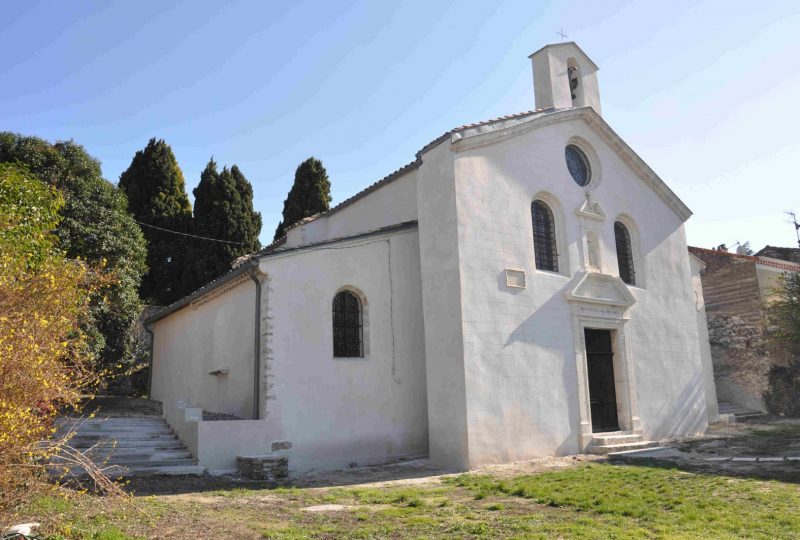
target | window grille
x=624, y=253
x=348, y=331
x=544, y=237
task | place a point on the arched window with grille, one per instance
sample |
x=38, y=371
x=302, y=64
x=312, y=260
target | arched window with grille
x=544, y=237
x=348, y=326
x=624, y=253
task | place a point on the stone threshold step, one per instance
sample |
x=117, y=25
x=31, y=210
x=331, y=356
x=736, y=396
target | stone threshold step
x=616, y=438
x=613, y=448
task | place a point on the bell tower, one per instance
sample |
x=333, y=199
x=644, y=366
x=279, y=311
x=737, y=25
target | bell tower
x=563, y=77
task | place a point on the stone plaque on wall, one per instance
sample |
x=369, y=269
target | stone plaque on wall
x=515, y=278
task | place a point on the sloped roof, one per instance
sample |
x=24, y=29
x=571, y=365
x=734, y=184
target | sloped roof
x=459, y=135
x=585, y=57
x=469, y=131
x=784, y=253
x=249, y=267
x=400, y=172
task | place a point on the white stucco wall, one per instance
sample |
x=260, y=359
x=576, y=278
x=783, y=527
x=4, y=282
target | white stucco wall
x=712, y=406
x=391, y=203
x=519, y=349
x=769, y=279
x=335, y=411
x=458, y=364
x=441, y=293
x=194, y=341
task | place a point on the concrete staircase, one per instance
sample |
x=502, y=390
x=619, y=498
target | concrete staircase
x=740, y=414
x=127, y=446
x=619, y=441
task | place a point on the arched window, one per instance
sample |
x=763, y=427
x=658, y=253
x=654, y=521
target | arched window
x=544, y=237
x=348, y=326
x=624, y=253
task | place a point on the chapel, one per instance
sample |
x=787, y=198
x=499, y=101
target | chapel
x=522, y=288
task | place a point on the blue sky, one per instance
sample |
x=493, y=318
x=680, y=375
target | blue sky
x=706, y=92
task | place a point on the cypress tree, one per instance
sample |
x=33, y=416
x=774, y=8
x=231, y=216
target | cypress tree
x=157, y=196
x=223, y=209
x=310, y=194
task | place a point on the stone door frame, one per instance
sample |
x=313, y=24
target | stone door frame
x=627, y=406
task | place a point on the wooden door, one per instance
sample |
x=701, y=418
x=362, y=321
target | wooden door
x=602, y=391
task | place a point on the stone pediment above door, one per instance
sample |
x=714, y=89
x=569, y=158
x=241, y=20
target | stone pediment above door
x=597, y=291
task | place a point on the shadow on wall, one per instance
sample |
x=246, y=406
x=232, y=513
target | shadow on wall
x=530, y=332
x=686, y=415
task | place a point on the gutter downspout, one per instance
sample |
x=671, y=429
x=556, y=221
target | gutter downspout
x=257, y=346
x=150, y=361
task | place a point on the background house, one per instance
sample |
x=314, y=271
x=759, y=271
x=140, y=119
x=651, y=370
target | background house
x=737, y=289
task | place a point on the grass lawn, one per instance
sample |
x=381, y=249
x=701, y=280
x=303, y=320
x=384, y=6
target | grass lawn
x=594, y=500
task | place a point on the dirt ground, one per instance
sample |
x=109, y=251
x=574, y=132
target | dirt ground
x=119, y=407
x=769, y=437
x=763, y=438
x=761, y=448
x=410, y=473
x=585, y=498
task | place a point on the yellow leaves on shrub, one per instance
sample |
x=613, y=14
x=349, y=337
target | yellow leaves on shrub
x=44, y=297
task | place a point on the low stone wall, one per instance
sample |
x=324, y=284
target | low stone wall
x=263, y=467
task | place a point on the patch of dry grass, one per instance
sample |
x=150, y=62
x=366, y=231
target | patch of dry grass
x=587, y=501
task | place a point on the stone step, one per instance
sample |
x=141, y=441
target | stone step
x=734, y=410
x=749, y=414
x=727, y=406
x=117, y=471
x=168, y=469
x=116, y=420
x=622, y=437
x=136, y=463
x=124, y=457
x=103, y=428
x=734, y=413
x=143, y=456
x=614, y=448
x=121, y=444
x=123, y=435
x=127, y=446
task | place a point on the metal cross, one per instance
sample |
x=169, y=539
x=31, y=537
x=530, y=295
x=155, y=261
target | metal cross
x=562, y=34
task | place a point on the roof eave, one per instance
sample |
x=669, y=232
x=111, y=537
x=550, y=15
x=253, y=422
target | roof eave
x=471, y=138
x=585, y=56
x=203, y=291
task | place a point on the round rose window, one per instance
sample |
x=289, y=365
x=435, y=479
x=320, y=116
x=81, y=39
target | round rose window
x=578, y=165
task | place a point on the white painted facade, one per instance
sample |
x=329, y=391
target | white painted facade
x=458, y=365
